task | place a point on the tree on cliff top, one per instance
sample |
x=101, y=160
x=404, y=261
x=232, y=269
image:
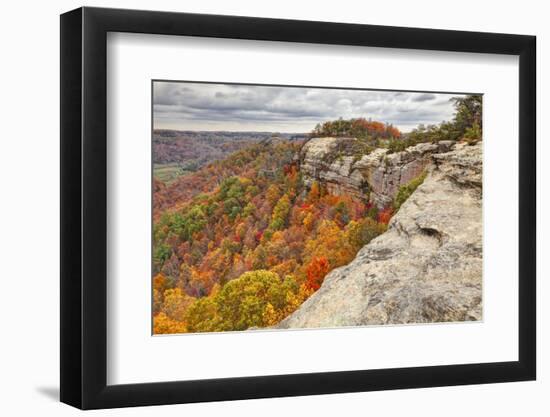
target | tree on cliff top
x=359, y=128
x=466, y=123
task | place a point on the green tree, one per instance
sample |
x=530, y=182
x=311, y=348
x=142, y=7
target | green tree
x=473, y=133
x=186, y=223
x=468, y=112
x=406, y=190
x=161, y=253
x=361, y=232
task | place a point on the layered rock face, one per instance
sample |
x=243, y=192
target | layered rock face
x=426, y=268
x=376, y=176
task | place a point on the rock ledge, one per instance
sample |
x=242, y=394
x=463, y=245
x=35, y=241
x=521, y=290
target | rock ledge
x=426, y=268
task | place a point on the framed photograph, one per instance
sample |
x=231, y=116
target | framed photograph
x=258, y=208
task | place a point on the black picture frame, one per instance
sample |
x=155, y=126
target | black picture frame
x=84, y=207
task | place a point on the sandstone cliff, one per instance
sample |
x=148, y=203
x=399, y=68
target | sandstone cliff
x=344, y=168
x=428, y=266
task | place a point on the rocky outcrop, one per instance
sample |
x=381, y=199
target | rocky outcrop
x=346, y=168
x=426, y=268
x=328, y=161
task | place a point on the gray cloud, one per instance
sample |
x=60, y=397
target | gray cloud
x=424, y=97
x=196, y=106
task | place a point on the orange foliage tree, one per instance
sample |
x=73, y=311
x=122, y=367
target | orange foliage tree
x=316, y=271
x=384, y=216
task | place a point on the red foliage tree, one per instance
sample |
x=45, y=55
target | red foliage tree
x=384, y=216
x=316, y=271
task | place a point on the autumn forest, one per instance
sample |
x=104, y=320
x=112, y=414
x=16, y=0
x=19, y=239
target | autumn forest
x=241, y=240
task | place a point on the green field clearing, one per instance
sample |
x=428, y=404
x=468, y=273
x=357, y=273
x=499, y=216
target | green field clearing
x=168, y=172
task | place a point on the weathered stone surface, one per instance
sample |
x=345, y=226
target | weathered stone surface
x=426, y=268
x=319, y=162
x=376, y=176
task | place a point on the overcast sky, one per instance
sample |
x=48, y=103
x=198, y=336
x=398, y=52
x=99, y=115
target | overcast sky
x=196, y=106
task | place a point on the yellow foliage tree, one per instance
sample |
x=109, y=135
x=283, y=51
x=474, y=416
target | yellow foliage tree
x=162, y=324
x=329, y=243
x=270, y=316
x=176, y=303
x=314, y=192
x=309, y=221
